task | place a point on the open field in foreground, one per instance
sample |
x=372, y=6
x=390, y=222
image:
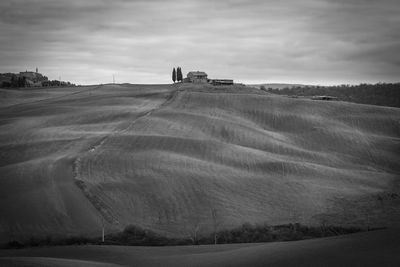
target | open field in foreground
x=164, y=157
x=377, y=248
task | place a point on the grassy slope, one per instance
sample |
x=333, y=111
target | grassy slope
x=378, y=248
x=253, y=158
x=40, y=136
x=165, y=162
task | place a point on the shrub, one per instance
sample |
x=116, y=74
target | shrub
x=13, y=244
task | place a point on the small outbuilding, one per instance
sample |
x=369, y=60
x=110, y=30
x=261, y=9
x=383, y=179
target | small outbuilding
x=221, y=82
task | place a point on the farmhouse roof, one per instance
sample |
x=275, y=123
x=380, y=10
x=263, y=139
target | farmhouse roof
x=197, y=73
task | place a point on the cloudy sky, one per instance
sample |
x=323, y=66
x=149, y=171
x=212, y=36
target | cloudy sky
x=251, y=41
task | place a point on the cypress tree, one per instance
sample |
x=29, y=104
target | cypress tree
x=173, y=75
x=179, y=76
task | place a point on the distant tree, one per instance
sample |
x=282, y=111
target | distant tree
x=21, y=81
x=179, y=76
x=14, y=81
x=193, y=232
x=192, y=228
x=174, y=75
x=216, y=224
x=6, y=84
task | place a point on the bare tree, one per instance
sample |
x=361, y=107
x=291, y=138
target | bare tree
x=192, y=229
x=216, y=224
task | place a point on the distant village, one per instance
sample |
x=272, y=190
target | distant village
x=29, y=79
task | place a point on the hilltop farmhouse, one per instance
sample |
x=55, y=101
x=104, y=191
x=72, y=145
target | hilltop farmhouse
x=196, y=77
x=202, y=77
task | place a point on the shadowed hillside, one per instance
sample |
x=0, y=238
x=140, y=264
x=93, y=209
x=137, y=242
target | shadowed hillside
x=164, y=157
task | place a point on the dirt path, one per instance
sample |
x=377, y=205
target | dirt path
x=78, y=209
x=105, y=214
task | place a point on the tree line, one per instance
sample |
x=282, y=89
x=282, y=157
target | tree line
x=177, y=75
x=247, y=233
x=381, y=94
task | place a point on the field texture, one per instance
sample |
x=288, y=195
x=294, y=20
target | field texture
x=168, y=157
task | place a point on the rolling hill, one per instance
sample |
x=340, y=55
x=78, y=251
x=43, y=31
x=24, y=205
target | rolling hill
x=164, y=157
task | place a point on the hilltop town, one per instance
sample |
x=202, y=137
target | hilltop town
x=29, y=79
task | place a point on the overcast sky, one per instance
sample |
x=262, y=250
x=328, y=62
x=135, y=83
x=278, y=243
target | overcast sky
x=251, y=41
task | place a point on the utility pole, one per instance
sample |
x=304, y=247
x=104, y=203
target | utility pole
x=113, y=79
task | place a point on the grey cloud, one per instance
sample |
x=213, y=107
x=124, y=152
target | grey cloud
x=311, y=41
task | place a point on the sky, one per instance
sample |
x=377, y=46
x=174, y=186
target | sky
x=251, y=41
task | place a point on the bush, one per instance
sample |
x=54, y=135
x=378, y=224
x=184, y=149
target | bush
x=13, y=245
x=137, y=236
x=248, y=233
